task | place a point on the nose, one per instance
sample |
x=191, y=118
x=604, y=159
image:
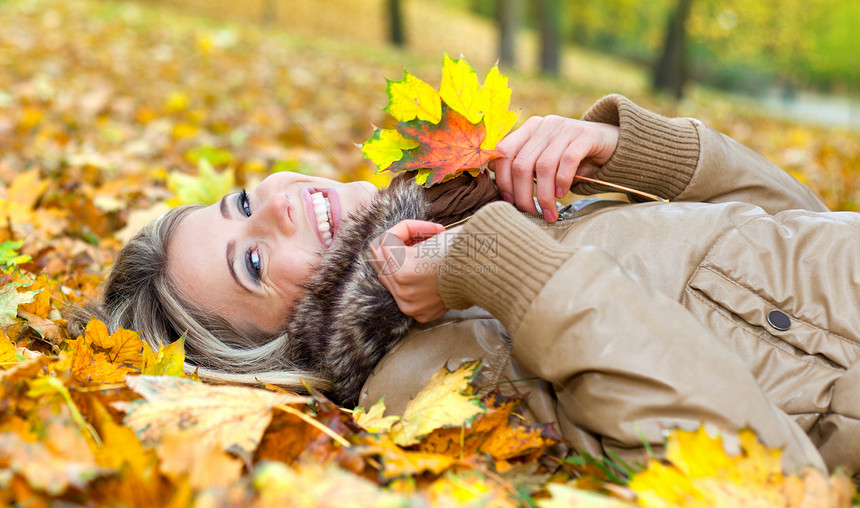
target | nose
x=273, y=215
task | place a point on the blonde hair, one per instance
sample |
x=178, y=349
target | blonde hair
x=140, y=295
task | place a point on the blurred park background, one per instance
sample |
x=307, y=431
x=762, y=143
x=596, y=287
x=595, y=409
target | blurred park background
x=798, y=58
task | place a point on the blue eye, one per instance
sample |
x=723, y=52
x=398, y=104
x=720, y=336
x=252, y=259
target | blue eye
x=243, y=203
x=252, y=261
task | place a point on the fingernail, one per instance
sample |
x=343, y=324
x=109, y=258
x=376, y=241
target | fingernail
x=374, y=244
x=548, y=216
x=507, y=197
x=559, y=192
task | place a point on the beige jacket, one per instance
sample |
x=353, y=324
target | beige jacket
x=624, y=320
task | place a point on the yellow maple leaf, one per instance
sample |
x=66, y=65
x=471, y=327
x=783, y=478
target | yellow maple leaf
x=460, y=89
x=421, y=177
x=312, y=484
x=122, y=347
x=447, y=400
x=21, y=196
x=8, y=355
x=168, y=361
x=204, y=465
x=386, y=146
x=399, y=462
x=100, y=357
x=91, y=366
x=231, y=417
x=469, y=488
x=566, y=496
x=696, y=454
x=47, y=469
x=373, y=421
x=412, y=98
x=41, y=304
x=496, y=97
x=10, y=299
x=206, y=188
x=699, y=473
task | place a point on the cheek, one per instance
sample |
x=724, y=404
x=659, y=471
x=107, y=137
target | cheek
x=291, y=272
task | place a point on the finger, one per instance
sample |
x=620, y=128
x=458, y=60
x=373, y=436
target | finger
x=523, y=174
x=545, y=170
x=510, y=146
x=568, y=167
x=502, y=170
x=376, y=259
x=412, y=231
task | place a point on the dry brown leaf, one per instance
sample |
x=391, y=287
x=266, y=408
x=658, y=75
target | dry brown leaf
x=232, y=418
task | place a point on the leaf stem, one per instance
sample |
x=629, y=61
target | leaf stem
x=621, y=187
x=332, y=434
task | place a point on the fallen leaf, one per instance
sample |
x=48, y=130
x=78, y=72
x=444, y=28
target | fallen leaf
x=168, y=361
x=469, y=489
x=8, y=354
x=10, y=299
x=202, y=463
x=564, y=496
x=447, y=400
x=373, y=420
x=205, y=188
x=231, y=417
x=313, y=485
x=100, y=357
x=9, y=255
x=399, y=462
x=699, y=473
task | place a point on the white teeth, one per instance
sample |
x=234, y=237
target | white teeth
x=322, y=210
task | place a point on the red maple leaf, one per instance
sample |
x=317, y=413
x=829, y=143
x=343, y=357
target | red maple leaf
x=447, y=148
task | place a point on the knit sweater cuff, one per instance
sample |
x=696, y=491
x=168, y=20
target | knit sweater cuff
x=499, y=261
x=655, y=154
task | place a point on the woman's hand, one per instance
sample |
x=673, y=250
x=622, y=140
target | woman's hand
x=407, y=258
x=551, y=149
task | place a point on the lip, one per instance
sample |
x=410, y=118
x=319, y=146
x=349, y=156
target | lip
x=333, y=198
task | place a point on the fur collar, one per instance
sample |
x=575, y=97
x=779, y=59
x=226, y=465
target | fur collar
x=347, y=320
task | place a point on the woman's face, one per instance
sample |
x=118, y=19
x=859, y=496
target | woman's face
x=246, y=257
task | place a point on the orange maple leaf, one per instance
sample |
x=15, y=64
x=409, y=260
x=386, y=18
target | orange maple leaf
x=446, y=148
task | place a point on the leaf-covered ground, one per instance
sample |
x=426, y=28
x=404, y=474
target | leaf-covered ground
x=104, y=107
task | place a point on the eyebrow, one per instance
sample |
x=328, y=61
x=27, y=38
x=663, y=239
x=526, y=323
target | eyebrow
x=231, y=256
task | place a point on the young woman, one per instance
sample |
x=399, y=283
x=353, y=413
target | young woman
x=736, y=304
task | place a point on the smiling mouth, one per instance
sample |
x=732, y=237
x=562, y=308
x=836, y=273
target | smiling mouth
x=322, y=216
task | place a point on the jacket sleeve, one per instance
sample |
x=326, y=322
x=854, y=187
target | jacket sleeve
x=682, y=159
x=626, y=362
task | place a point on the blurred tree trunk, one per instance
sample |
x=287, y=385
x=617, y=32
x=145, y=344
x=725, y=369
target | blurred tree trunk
x=396, y=34
x=671, y=72
x=578, y=13
x=270, y=12
x=508, y=16
x=549, y=26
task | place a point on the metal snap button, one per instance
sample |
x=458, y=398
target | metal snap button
x=779, y=320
